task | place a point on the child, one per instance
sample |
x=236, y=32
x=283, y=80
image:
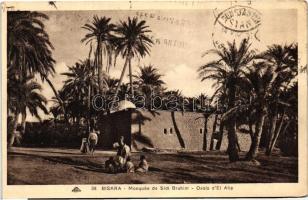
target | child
x=110, y=165
x=129, y=166
x=143, y=165
x=84, y=146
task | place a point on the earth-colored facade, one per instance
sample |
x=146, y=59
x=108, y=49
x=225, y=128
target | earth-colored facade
x=170, y=130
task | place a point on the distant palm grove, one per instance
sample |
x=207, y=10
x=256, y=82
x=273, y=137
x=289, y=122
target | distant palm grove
x=258, y=91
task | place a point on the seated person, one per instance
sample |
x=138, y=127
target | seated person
x=110, y=165
x=119, y=163
x=143, y=165
x=129, y=165
x=123, y=152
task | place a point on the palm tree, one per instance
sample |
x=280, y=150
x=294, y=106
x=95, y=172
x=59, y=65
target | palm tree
x=56, y=108
x=149, y=81
x=290, y=110
x=76, y=87
x=149, y=76
x=131, y=42
x=226, y=71
x=55, y=111
x=79, y=77
x=101, y=31
x=23, y=95
x=29, y=47
x=283, y=60
x=257, y=83
x=112, y=84
x=171, y=99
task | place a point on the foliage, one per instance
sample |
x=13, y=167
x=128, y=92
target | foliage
x=25, y=94
x=29, y=48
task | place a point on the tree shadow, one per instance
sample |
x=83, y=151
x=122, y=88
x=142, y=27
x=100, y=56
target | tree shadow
x=140, y=119
x=154, y=113
x=177, y=131
x=138, y=136
x=64, y=160
x=136, y=182
x=46, y=151
x=155, y=169
x=92, y=169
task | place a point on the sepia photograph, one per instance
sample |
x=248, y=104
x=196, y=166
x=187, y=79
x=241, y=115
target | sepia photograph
x=136, y=96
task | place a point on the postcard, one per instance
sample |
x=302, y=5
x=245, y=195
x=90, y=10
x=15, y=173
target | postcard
x=147, y=99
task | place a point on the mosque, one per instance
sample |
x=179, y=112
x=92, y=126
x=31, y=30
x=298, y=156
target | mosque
x=165, y=130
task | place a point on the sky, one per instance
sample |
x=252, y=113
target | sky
x=180, y=39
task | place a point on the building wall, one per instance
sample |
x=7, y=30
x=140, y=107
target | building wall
x=168, y=130
x=164, y=130
x=244, y=141
x=112, y=127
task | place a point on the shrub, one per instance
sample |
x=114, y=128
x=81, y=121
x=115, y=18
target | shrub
x=50, y=134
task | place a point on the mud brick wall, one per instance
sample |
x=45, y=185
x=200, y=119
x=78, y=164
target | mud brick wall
x=243, y=139
x=189, y=131
x=168, y=130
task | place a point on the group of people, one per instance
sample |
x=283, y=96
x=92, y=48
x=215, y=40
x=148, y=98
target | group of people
x=121, y=162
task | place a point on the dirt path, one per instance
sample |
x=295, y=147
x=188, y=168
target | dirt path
x=68, y=166
x=57, y=152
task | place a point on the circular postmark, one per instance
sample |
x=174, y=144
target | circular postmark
x=239, y=19
x=235, y=24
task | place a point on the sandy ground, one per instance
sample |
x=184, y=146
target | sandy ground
x=39, y=166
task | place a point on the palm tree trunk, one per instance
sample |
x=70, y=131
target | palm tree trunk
x=89, y=86
x=12, y=136
x=283, y=132
x=264, y=135
x=276, y=134
x=57, y=96
x=23, y=122
x=89, y=106
x=232, y=146
x=100, y=67
x=221, y=134
x=251, y=133
x=119, y=83
x=273, y=121
x=230, y=125
x=255, y=142
x=206, y=117
x=213, y=132
x=130, y=78
x=283, y=135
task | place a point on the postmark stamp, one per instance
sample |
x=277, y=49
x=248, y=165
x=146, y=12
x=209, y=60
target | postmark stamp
x=239, y=19
x=236, y=23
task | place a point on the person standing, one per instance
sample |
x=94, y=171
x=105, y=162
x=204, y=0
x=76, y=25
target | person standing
x=84, y=148
x=93, y=140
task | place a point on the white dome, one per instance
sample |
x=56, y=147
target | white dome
x=123, y=105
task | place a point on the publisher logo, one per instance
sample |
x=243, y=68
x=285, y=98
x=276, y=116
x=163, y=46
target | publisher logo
x=76, y=189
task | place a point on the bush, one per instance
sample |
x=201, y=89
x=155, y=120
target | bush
x=50, y=134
